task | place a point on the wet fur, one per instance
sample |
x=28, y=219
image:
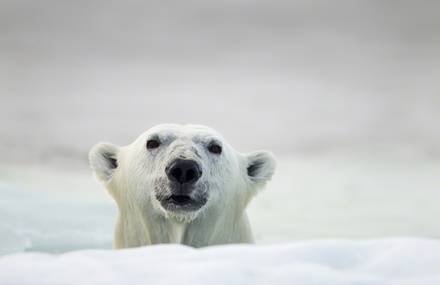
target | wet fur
x=136, y=179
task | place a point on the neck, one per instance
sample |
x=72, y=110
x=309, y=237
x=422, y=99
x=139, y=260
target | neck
x=140, y=227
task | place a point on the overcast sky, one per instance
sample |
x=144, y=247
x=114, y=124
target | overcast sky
x=292, y=76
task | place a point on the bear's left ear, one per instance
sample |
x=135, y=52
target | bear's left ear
x=260, y=166
x=103, y=160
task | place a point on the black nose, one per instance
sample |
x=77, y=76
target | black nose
x=183, y=171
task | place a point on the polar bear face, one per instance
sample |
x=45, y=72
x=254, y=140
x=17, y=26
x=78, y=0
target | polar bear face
x=179, y=172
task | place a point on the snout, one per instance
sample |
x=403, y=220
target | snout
x=183, y=171
x=184, y=193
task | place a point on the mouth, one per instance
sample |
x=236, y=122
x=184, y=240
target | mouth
x=179, y=199
x=182, y=203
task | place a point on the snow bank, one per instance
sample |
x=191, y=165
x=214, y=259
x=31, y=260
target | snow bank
x=388, y=261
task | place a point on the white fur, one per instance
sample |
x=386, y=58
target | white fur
x=140, y=172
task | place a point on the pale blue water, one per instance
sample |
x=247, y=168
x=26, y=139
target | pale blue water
x=38, y=220
x=310, y=197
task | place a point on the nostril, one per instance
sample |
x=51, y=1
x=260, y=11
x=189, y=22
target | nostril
x=177, y=173
x=190, y=175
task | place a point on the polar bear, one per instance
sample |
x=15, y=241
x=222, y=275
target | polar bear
x=181, y=184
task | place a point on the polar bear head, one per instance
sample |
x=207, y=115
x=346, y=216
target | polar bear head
x=180, y=171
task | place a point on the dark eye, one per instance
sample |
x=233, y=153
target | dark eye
x=151, y=144
x=215, y=148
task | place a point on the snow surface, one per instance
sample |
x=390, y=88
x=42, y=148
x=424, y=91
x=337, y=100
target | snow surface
x=388, y=261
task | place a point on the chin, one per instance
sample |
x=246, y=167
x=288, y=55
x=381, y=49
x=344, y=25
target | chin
x=183, y=217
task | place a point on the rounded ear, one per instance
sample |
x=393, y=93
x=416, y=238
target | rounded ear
x=260, y=166
x=103, y=160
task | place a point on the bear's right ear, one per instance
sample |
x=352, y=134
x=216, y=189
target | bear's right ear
x=103, y=160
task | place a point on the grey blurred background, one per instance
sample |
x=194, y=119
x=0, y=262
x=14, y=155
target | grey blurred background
x=293, y=76
x=346, y=94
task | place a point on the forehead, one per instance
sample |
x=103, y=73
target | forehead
x=172, y=131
